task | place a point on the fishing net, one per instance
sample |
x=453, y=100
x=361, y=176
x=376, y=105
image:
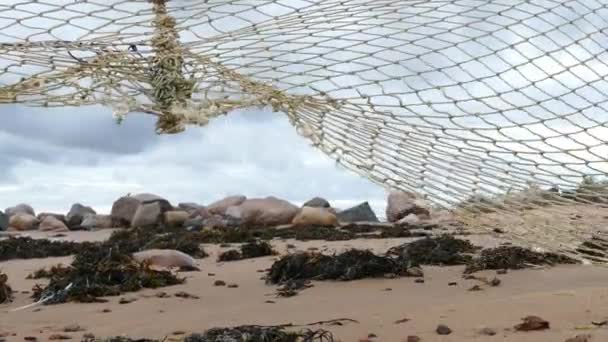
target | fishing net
x=483, y=105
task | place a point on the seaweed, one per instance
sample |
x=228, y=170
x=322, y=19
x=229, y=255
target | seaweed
x=350, y=265
x=99, y=271
x=6, y=293
x=138, y=239
x=57, y=270
x=254, y=249
x=28, y=248
x=441, y=250
x=514, y=257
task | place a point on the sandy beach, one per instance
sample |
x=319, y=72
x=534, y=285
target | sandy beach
x=569, y=297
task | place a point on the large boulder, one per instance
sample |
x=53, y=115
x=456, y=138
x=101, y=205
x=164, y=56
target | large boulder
x=76, y=215
x=123, y=211
x=317, y=202
x=146, y=198
x=201, y=212
x=269, y=211
x=359, y=213
x=313, y=216
x=60, y=217
x=52, y=224
x=96, y=221
x=20, y=209
x=189, y=206
x=3, y=221
x=149, y=214
x=401, y=204
x=21, y=221
x=221, y=206
x=166, y=258
x=175, y=218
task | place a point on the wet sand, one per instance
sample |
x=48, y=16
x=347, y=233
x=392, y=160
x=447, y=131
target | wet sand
x=567, y=296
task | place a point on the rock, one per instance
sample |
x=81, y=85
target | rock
x=360, y=213
x=487, y=332
x=401, y=204
x=76, y=215
x=315, y=216
x=317, y=202
x=531, y=323
x=189, y=206
x=218, y=221
x=96, y=221
x=149, y=214
x=201, y=212
x=415, y=272
x=60, y=217
x=3, y=221
x=221, y=206
x=50, y=223
x=413, y=338
x=263, y=212
x=123, y=211
x=20, y=209
x=443, y=330
x=21, y=222
x=219, y=283
x=175, y=218
x=167, y=258
x=580, y=338
x=193, y=224
x=410, y=219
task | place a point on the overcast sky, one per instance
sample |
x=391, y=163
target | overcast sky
x=52, y=158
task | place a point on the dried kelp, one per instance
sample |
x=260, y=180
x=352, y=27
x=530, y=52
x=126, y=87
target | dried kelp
x=28, y=248
x=138, y=239
x=514, y=257
x=100, y=271
x=350, y=265
x=440, y=250
x=57, y=271
x=254, y=249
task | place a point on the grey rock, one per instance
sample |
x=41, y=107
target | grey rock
x=123, y=211
x=148, y=214
x=76, y=215
x=317, y=202
x=20, y=209
x=400, y=204
x=3, y=221
x=60, y=217
x=221, y=206
x=96, y=221
x=194, y=224
x=360, y=213
x=146, y=198
x=443, y=330
x=189, y=207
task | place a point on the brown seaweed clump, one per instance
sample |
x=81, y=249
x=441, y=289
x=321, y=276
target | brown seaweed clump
x=138, y=239
x=246, y=333
x=254, y=249
x=100, y=271
x=350, y=265
x=441, y=250
x=514, y=257
x=6, y=293
x=28, y=248
x=57, y=270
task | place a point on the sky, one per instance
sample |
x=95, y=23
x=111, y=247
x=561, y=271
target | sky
x=52, y=158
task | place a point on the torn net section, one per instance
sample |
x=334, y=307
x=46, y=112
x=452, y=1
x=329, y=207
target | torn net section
x=489, y=106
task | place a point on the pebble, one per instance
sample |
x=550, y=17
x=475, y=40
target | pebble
x=233, y=286
x=531, y=323
x=413, y=338
x=443, y=329
x=419, y=281
x=55, y=337
x=219, y=283
x=487, y=332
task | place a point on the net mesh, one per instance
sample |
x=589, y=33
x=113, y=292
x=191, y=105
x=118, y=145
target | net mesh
x=487, y=106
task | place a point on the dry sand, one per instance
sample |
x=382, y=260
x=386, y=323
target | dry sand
x=567, y=296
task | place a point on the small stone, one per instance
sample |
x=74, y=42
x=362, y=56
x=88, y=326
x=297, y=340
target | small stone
x=403, y=320
x=487, y=332
x=183, y=294
x=531, y=323
x=388, y=289
x=106, y=310
x=452, y=283
x=413, y=338
x=30, y=338
x=60, y=337
x=233, y=286
x=162, y=295
x=88, y=336
x=498, y=231
x=501, y=271
x=126, y=300
x=372, y=335
x=179, y=332
x=495, y=282
x=419, y=280
x=211, y=274
x=579, y=338
x=443, y=329
x=219, y=283
x=269, y=302
x=72, y=328
x=475, y=288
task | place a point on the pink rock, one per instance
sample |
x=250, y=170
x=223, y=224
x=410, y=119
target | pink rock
x=221, y=206
x=309, y=216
